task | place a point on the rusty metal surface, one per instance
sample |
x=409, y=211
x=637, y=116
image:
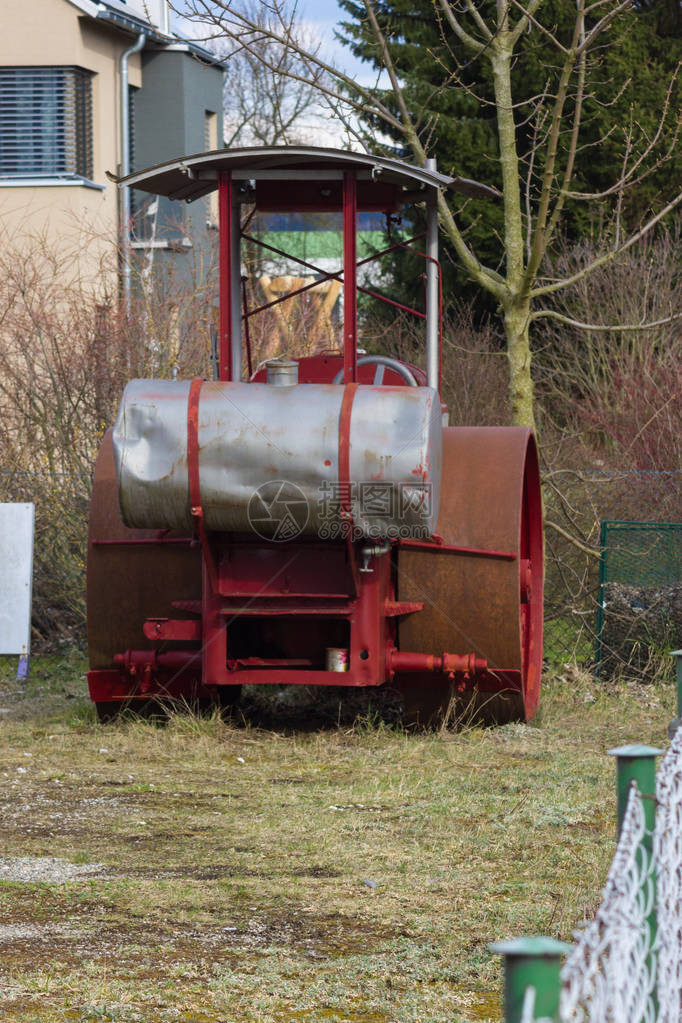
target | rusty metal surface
x=250, y=435
x=490, y=498
x=128, y=583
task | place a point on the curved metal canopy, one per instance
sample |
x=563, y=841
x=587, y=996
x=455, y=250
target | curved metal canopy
x=190, y=177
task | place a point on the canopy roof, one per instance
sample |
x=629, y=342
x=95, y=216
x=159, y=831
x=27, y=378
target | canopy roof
x=190, y=177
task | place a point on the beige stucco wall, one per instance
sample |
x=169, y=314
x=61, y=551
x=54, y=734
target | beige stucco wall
x=55, y=32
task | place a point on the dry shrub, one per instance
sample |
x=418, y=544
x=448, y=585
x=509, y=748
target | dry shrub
x=475, y=372
x=640, y=623
x=619, y=392
x=66, y=351
x=611, y=408
x=474, y=367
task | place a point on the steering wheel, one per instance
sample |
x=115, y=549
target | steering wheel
x=382, y=362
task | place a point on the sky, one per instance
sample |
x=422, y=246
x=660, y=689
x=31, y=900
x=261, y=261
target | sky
x=323, y=16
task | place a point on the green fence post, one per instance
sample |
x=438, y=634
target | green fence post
x=531, y=975
x=638, y=764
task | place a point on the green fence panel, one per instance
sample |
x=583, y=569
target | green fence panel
x=640, y=560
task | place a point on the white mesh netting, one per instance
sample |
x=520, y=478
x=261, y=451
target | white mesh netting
x=668, y=857
x=611, y=975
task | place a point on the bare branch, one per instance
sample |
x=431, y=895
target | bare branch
x=548, y=289
x=542, y=230
x=628, y=178
x=528, y=18
x=604, y=23
x=594, y=552
x=473, y=44
x=553, y=314
x=407, y=126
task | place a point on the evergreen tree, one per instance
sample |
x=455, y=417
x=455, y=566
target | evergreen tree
x=451, y=97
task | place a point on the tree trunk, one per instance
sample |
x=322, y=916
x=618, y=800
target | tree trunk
x=516, y=324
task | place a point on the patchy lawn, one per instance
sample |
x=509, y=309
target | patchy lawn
x=201, y=872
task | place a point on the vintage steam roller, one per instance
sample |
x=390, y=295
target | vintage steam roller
x=316, y=521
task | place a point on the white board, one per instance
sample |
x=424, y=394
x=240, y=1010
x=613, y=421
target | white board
x=16, y=577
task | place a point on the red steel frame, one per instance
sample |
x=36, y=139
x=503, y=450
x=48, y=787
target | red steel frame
x=350, y=298
x=243, y=578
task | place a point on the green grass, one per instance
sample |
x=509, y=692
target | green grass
x=234, y=858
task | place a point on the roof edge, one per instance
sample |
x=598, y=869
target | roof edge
x=191, y=166
x=99, y=11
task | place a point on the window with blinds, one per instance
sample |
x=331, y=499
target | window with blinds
x=45, y=122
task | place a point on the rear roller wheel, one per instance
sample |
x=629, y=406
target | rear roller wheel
x=490, y=499
x=130, y=582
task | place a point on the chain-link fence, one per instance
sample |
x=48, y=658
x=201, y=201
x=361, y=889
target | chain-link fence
x=640, y=593
x=639, y=627
x=626, y=965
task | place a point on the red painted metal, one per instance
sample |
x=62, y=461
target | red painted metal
x=113, y=685
x=170, y=628
x=193, y=447
x=396, y=608
x=350, y=311
x=306, y=197
x=344, y=474
x=449, y=664
x=193, y=475
x=295, y=622
x=136, y=661
x=309, y=610
x=225, y=270
x=262, y=662
x=344, y=453
x=247, y=336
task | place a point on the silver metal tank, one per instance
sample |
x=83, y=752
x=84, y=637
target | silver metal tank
x=267, y=452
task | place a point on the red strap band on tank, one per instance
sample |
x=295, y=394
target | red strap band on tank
x=345, y=500
x=193, y=450
x=196, y=510
x=344, y=453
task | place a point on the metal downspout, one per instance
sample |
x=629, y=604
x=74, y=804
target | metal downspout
x=125, y=167
x=165, y=18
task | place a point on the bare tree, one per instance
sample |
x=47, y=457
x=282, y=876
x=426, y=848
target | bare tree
x=265, y=100
x=537, y=177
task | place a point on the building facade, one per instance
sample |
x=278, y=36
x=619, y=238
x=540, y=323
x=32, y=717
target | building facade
x=89, y=89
